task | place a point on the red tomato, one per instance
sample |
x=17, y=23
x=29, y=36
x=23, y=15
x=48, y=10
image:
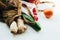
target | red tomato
x=31, y=1
x=34, y=1
x=35, y=18
x=34, y=11
x=48, y=13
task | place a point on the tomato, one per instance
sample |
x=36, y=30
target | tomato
x=48, y=13
x=34, y=11
x=35, y=14
x=31, y=1
x=34, y=1
x=35, y=18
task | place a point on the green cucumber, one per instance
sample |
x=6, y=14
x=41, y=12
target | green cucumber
x=29, y=18
x=36, y=26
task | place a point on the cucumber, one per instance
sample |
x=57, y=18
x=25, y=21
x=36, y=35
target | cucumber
x=36, y=26
x=29, y=18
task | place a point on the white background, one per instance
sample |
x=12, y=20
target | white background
x=50, y=28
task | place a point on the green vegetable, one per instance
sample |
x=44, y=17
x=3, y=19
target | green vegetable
x=29, y=18
x=35, y=25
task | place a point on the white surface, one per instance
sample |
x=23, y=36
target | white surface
x=50, y=28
